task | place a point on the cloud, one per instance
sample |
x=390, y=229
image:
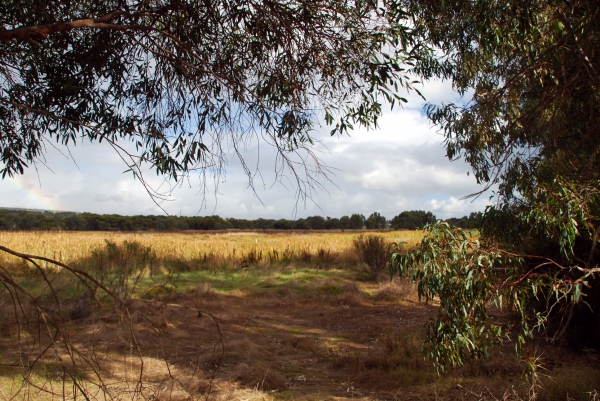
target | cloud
x=401, y=166
x=455, y=207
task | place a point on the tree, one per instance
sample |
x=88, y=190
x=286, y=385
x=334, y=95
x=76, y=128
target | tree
x=74, y=222
x=375, y=221
x=333, y=223
x=283, y=224
x=263, y=224
x=357, y=221
x=345, y=223
x=175, y=85
x=474, y=220
x=9, y=221
x=456, y=222
x=302, y=224
x=317, y=222
x=411, y=220
x=531, y=128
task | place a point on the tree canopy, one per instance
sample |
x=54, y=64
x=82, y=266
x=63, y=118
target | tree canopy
x=533, y=69
x=375, y=221
x=530, y=127
x=176, y=85
x=413, y=219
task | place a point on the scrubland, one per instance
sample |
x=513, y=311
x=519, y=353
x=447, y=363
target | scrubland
x=239, y=316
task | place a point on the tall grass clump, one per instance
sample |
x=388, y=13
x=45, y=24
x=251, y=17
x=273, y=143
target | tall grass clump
x=251, y=258
x=373, y=251
x=326, y=258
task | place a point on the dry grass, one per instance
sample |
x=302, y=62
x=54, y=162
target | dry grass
x=196, y=248
x=295, y=325
x=396, y=290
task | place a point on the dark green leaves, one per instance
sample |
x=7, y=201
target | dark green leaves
x=188, y=81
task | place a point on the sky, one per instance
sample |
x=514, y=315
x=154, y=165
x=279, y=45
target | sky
x=401, y=166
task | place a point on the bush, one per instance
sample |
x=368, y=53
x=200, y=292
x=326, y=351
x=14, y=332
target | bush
x=372, y=250
x=120, y=267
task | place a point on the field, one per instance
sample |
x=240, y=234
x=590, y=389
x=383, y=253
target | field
x=238, y=316
x=69, y=247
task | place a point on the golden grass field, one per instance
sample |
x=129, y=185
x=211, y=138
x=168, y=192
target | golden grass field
x=67, y=247
x=218, y=317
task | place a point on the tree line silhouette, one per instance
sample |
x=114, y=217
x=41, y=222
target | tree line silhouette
x=22, y=220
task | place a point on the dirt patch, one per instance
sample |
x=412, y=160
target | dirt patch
x=329, y=340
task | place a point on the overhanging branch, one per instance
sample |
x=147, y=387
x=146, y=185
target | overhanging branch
x=40, y=32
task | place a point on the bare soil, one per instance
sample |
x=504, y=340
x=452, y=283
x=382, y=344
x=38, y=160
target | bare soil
x=335, y=340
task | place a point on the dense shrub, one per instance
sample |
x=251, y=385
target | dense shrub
x=373, y=251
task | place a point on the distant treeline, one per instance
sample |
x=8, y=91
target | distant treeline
x=14, y=219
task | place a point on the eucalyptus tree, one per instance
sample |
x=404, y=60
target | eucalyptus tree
x=413, y=219
x=187, y=82
x=357, y=221
x=345, y=222
x=375, y=221
x=530, y=71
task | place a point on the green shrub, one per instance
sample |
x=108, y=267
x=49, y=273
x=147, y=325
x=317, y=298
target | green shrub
x=120, y=267
x=468, y=276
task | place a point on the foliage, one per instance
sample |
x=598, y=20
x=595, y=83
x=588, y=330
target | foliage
x=372, y=250
x=530, y=126
x=345, y=222
x=282, y=224
x=317, y=222
x=302, y=224
x=120, y=267
x=532, y=67
x=185, y=82
x=411, y=220
x=16, y=219
x=473, y=220
x=333, y=223
x=530, y=129
x=451, y=266
x=375, y=221
x=357, y=221
x=467, y=275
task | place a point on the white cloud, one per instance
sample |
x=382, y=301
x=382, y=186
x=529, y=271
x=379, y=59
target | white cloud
x=401, y=166
x=455, y=207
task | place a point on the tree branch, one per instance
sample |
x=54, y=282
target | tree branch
x=40, y=32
